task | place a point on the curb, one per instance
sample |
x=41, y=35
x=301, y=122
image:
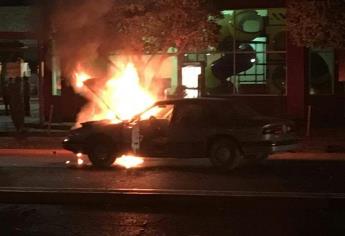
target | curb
x=157, y=197
x=308, y=156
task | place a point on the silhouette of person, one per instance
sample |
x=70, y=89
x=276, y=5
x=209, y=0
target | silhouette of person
x=17, y=103
x=6, y=96
x=26, y=92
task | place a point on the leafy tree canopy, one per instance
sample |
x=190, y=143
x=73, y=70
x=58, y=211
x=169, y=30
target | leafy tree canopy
x=317, y=23
x=89, y=30
x=135, y=26
x=150, y=26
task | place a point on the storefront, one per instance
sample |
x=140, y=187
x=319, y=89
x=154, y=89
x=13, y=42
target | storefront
x=251, y=59
x=20, y=56
x=258, y=61
x=255, y=60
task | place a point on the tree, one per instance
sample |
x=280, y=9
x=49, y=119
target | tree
x=154, y=26
x=317, y=23
x=86, y=32
x=86, y=29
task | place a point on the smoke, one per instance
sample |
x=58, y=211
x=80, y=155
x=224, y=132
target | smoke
x=100, y=47
x=81, y=34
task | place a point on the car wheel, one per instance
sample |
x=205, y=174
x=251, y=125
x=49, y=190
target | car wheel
x=101, y=155
x=225, y=154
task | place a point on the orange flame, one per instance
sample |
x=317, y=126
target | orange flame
x=126, y=96
x=119, y=98
x=80, y=79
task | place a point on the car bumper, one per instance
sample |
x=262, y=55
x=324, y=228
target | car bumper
x=72, y=146
x=269, y=147
x=284, y=148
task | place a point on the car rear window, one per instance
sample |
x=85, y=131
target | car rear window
x=225, y=111
x=191, y=115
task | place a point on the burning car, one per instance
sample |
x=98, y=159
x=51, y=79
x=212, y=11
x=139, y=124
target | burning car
x=223, y=130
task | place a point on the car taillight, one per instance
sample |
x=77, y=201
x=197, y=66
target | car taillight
x=278, y=129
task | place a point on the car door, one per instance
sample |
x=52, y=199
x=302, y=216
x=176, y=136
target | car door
x=153, y=129
x=187, y=135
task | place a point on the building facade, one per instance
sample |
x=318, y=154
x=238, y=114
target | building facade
x=256, y=60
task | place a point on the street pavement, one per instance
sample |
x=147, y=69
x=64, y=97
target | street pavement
x=286, y=174
x=83, y=220
x=290, y=194
x=299, y=193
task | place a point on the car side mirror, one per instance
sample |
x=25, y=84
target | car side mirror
x=153, y=120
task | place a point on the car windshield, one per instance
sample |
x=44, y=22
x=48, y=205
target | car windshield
x=156, y=111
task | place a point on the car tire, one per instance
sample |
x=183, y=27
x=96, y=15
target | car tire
x=101, y=155
x=225, y=154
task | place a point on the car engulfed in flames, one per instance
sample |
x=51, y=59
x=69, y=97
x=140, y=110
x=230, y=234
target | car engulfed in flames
x=123, y=122
x=105, y=141
x=223, y=130
x=116, y=98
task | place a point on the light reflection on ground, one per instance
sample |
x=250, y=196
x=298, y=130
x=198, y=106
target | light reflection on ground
x=129, y=161
x=126, y=161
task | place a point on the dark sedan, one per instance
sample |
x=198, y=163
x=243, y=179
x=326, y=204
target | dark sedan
x=224, y=130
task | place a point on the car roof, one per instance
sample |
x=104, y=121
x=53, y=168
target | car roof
x=194, y=100
x=216, y=103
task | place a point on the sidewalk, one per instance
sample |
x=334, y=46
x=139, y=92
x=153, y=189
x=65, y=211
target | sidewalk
x=32, y=124
x=327, y=141
x=45, y=142
x=50, y=136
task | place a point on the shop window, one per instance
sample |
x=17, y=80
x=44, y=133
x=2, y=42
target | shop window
x=321, y=71
x=56, y=71
x=24, y=52
x=250, y=58
x=56, y=77
x=190, y=79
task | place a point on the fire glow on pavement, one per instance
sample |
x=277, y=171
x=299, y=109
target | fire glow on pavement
x=129, y=161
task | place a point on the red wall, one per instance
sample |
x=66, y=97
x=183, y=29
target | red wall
x=296, y=80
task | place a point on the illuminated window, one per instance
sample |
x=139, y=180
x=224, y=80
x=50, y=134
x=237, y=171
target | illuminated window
x=250, y=59
x=56, y=74
x=190, y=79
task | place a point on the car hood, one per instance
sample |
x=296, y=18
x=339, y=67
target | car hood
x=97, y=123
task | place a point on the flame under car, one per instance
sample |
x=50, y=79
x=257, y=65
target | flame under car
x=223, y=130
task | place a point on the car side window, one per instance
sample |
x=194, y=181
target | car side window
x=191, y=115
x=232, y=112
x=224, y=114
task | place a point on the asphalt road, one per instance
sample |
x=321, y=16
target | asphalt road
x=272, y=189
x=66, y=220
x=288, y=175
